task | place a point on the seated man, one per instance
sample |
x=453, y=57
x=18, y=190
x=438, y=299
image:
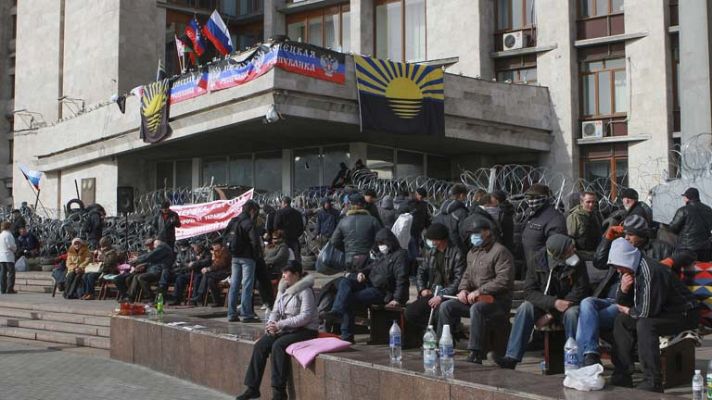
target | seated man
x=383, y=281
x=485, y=290
x=443, y=266
x=157, y=261
x=187, y=264
x=27, y=243
x=213, y=271
x=127, y=283
x=109, y=259
x=556, y=282
x=651, y=302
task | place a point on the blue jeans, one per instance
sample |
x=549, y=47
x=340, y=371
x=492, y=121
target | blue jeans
x=351, y=293
x=595, y=314
x=524, y=321
x=243, y=272
x=90, y=281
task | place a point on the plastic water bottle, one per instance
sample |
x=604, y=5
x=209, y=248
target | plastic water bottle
x=395, y=342
x=430, y=352
x=447, y=363
x=571, y=360
x=709, y=380
x=698, y=386
x=159, y=304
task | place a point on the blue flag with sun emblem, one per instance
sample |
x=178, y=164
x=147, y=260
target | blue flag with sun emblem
x=400, y=98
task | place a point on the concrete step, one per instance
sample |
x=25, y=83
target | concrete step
x=34, y=282
x=56, y=337
x=34, y=275
x=76, y=307
x=94, y=321
x=32, y=288
x=46, y=325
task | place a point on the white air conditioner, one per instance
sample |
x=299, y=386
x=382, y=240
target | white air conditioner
x=592, y=129
x=514, y=40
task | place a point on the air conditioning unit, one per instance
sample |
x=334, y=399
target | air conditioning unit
x=592, y=130
x=514, y=40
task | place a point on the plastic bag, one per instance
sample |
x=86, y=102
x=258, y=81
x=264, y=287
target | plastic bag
x=401, y=229
x=330, y=260
x=21, y=264
x=586, y=378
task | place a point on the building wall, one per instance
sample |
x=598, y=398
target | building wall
x=7, y=71
x=106, y=174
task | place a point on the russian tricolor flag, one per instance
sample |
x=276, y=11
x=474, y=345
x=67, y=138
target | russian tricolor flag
x=32, y=176
x=216, y=31
x=193, y=32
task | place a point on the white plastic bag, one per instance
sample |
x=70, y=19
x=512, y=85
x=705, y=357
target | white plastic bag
x=586, y=378
x=401, y=228
x=21, y=264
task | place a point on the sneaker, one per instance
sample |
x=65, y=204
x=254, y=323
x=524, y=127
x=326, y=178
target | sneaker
x=591, y=359
x=349, y=339
x=506, y=362
x=249, y=393
x=474, y=357
x=233, y=318
x=251, y=320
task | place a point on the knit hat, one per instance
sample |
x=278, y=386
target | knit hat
x=629, y=194
x=437, y=231
x=624, y=255
x=692, y=193
x=557, y=245
x=538, y=190
x=636, y=225
x=77, y=240
x=357, y=199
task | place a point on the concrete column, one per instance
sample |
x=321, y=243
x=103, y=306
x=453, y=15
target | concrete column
x=695, y=80
x=362, y=26
x=474, y=42
x=274, y=21
x=649, y=94
x=287, y=159
x=557, y=70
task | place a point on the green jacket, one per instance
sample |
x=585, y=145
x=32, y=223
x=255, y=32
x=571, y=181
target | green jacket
x=585, y=228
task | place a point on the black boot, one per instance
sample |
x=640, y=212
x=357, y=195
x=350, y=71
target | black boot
x=474, y=357
x=279, y=393
x=506, y=362
x=249, y=393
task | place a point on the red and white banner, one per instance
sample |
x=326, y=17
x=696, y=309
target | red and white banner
x=199, y=219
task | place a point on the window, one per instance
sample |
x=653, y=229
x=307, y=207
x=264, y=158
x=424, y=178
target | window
x=600, y=8
x=268, y=171
x=515, y=14
x=241, y=170
x=332, y=156
x=164, y=174
x=184, y=174
x=247, y=36
x=517, y=69
x=328, y=27
x=307, y=168
x=409, y=164
x=439, y=167
x=380, y=160
x=604, y=88
x=240, y=7
x=599, y=18
x=606, y=167
x=215, y=171
x=401, y=30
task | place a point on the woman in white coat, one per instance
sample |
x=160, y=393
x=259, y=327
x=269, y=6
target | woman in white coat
x=7, y=259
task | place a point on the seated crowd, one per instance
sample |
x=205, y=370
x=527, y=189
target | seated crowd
x=467, y=269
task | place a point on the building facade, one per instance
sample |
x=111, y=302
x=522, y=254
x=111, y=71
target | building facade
x=8, y=25
x=598, y=89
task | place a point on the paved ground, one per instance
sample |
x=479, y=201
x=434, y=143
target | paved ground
x=40, y=373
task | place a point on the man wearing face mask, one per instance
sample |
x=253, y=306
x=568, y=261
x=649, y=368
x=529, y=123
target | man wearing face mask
x=443, y=266
x=556, y=282
x=485, y=291
x=542, y=221
x=385, y=281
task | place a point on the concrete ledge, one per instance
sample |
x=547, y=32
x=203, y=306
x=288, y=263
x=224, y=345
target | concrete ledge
x=615, y=139
x=218, y=356
x=609, y=39
x=520, y=52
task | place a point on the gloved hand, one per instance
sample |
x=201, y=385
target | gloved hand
x=667, y=262
x=613, y=232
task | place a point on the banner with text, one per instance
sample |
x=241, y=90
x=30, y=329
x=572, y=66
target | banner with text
x=316, y=62
x=189, y=85
x=199, y=219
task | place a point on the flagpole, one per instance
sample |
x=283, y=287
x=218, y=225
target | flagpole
x=37, y=198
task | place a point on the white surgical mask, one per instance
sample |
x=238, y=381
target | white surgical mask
x=573, y=260
x=476, y=239
x=383, y=248
x=429, y=243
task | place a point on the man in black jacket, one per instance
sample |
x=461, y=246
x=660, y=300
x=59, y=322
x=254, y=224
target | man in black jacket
x=370, y=196
x=542, y=220
x=385, y=281
x=291, y=222
x=453, y=213
x=505, y=218
x=166, y=223
x=633, y=206
x=186, y=267
x=443, y=266
x=651, y=302
x=355, y=234
x=94, y=225
x=692, y=224
x=556, y=282
x=160, y=259
x=245, y=246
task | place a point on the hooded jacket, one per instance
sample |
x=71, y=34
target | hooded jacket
x=585, y=228
x=326, y=221
x=78, y=258
x=295, y=306
x=453, y=268
x=692, y=223
x=241, y=237
x=545, y=283
x=452, y=214
x=389, y=272
x=355, y=233
x=538, y=227
x=388, y=214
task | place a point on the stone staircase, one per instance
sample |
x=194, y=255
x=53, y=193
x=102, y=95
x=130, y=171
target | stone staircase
x=55, y=320
x=34, y=282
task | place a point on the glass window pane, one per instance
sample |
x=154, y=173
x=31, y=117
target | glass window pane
x=527, y=75
x=604, y=93
x=346, y=32
x=439, y=167
x=184, y=174
x=589, y=95
x=601, y=7
x=503, y=76
x=599, y=173
x=244, y=7
x=622, y=172
x=409, y=164
x=415, y=30
x=621, y=91
x=296, y=31
x=517, y=14
x=215, y=171
x=615, y=63
x=333, y=156
x=315, y=31
x=389, y=37
x=228, y=7
x=331, y=32
x=164, y=174
x=503, y=14
x=587, y=9
x=380, y=160
x=530, y=17
x=616, y=6
x=268, y=171
x=306, y=168
x=241, y=170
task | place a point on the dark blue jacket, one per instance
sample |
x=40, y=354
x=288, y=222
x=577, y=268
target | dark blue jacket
x=326, y=221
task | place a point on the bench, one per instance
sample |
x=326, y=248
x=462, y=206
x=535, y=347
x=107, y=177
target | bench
x=554, y=340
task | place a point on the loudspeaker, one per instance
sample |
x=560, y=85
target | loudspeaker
x=124, y=199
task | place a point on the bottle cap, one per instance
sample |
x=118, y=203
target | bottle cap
x=697, y=372
x=430, y=327
x=446, y=330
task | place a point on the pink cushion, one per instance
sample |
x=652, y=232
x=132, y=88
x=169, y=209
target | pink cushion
x=305, y=352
